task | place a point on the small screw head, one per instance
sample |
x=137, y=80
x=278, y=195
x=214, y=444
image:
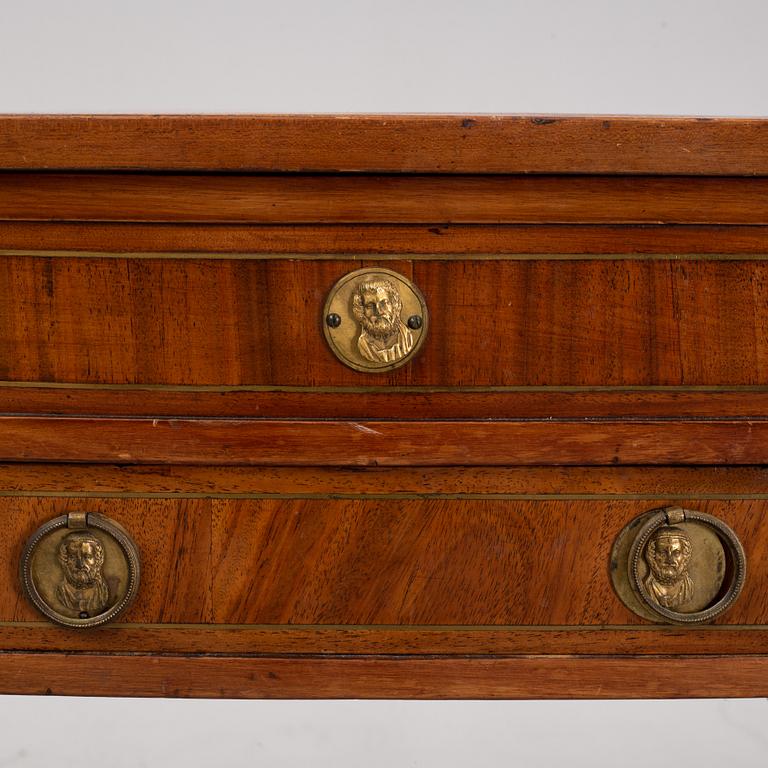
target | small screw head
x=415, y=322
x=333, y=320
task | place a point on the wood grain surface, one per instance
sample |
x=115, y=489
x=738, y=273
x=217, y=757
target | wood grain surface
x=307, y=530
x=308, y=199
x=423, y=143
x=371, y=443
x=494, y=323
x=72, y=238
x=182, y=542
x=397, y=403
x=346, y=640
x=648, y=483
x=387, y=562
x=542, y=677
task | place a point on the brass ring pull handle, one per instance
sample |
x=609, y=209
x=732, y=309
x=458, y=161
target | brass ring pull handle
x=375, y=320
x=81, y=570
x=682, y=566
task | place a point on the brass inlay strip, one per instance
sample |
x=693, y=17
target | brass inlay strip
x=419, y=627
x=417, y=389
x=393, y=496
x=190, y=255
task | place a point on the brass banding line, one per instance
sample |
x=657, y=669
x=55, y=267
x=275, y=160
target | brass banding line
x=667, y=629
x=378, y=256
x=392, y=496
x=415, y=389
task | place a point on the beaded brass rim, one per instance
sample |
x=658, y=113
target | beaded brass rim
x=350, y=329
x=670, y=517
x=85, y=523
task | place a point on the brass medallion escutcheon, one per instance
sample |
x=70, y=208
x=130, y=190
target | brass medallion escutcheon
x=80, y=570
x=375, y=320
x=678, y=565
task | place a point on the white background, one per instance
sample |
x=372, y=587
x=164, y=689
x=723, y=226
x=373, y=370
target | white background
x=612, y=56
x=608, y=56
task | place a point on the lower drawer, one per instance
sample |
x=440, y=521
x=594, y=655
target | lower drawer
x=402, y=564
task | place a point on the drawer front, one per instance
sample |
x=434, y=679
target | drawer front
x=530, y=322
x=497, y=561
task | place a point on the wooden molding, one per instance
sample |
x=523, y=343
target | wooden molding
x=384, y=241
x=380, y=199
x=270, y=442
x=527, y=677
x=483, y=642
x=387, y=143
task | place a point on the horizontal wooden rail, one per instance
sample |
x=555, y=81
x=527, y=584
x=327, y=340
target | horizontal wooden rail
x=483, y=641
x=673, y=403
x=265, y=199
x=660, y=485
x=382, y=443
x=382, y=240
x=391, y=143
x=384, y=677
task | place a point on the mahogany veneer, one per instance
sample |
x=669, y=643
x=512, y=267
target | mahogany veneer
x=598, y=347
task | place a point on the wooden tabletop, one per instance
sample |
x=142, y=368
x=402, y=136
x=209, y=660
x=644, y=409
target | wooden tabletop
x=508, y=144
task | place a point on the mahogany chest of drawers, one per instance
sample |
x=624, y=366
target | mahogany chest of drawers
x=405, y=407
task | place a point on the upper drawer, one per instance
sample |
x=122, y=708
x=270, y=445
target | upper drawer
x=496, y=321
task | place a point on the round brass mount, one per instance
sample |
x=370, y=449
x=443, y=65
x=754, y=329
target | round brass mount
x=375, y=320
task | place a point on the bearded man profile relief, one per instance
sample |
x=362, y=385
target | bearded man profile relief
x=384, y=338
x=83, y=588
x=668, y=553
